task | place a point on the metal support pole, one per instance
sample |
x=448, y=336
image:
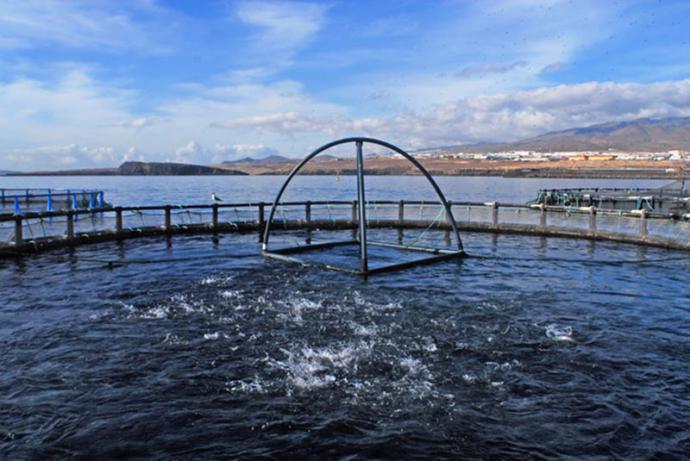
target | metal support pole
x=262, y=218
x=215, y=217
x=446, y=233
x=592, y=219
x=18, y=231
x=307, y=213
x=70, y=225
x=118, y=220
x=362, y=209
x=168, y=218
x=354, y=212
x=401, y=221
x=643, y=222
x=494, y=215
x=542, y=215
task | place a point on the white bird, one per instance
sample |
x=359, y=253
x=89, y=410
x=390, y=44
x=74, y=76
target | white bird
x=215, y=198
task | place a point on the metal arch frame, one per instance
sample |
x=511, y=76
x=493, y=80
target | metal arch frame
x=362, y=241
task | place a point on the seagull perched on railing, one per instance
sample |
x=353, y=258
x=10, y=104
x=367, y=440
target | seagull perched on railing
x=215, y=198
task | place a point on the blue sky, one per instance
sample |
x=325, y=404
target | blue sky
x=93, y=83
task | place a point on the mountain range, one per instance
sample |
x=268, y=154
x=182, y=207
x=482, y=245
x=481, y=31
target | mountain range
x=640, y=135
x=275, y=160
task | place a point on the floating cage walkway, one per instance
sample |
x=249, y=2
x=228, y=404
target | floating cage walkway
x=33, y=232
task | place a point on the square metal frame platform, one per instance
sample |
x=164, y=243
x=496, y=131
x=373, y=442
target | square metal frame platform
x=284, y=254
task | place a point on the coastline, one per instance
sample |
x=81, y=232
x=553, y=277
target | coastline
x=387, y=166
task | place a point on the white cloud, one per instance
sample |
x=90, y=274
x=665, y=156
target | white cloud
x=283, y=123
x=91, y=124
x=284, y=25
x=72, y=110
x=78, y=109
x=500, y=117
x=192, y=152
x=132, y=154
x=282, y=29
x=63, y=157
x=222, y=152
x=141, y=122
x=82, y=24
x=483, y=69
x=553, y=67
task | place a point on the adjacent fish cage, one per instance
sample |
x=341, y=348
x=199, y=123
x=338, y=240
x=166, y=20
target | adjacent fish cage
x=673, y=198
x=17, y=201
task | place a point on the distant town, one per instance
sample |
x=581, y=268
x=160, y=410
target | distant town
x=534, y=156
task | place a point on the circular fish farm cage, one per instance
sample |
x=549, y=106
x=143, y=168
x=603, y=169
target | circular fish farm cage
x=162, y=331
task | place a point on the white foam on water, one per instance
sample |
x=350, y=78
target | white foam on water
x=429, y=345
x=413, y=366
x=313, y=368
x=173, y=339
x=470, y=378
x=373, y=307
x=157, y=312
x=127, y=307
x=294, y=308
x=418, y=380
x=230, y=294
x=212, y=336
x=559, y=332
x=216, y=280
x=176, y=305
x=462, y=346
x=253, y=386
x=362, y=330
